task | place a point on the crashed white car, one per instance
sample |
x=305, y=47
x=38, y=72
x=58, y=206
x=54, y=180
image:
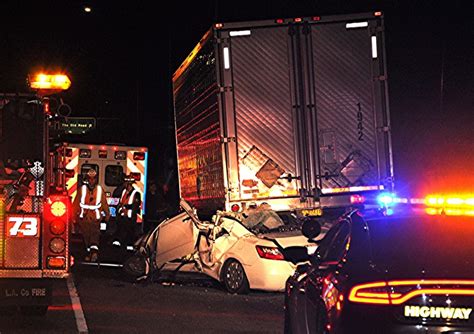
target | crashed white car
x=241, y=251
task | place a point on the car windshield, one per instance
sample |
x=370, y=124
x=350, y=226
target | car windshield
x=437, y=245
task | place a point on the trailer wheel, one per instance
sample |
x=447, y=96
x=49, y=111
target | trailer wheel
x=233, y=277
x=36, y=310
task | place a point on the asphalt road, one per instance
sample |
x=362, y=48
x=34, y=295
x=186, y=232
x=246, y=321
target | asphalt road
x=188, y=304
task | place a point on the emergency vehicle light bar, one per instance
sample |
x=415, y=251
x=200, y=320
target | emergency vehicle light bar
x=50, y=81
x=437, y=201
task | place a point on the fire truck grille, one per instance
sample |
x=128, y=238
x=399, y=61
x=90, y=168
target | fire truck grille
x=21, y=253
x=17, y=252
x=2, y=232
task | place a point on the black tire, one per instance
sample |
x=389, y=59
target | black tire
x=134, y=267
x=233, y=277
x=36, y=310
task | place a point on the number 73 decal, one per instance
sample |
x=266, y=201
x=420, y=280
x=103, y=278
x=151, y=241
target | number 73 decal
x=22, y=226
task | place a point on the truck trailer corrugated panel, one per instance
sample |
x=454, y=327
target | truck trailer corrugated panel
x=284, y=110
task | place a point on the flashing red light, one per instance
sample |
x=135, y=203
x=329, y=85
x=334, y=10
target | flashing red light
x=297, y=19
x=57, y=227
x=115, y=148
x=91, y=147
x=378, y=14
x=138, y=155
x=58, y=208
x=270, y=253
x=279, y=21
x=316, y=18
x=357, y=199
x=46, y=108
x=235, y=208
x=399, y=292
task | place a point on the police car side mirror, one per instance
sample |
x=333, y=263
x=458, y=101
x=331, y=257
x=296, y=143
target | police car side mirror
x=311, y=228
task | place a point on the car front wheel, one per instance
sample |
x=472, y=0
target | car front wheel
x=234, y=278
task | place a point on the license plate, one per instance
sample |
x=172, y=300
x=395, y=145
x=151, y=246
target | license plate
x=312, y=212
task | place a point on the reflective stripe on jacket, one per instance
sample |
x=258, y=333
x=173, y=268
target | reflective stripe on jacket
x=130, y=201
x=85, y=206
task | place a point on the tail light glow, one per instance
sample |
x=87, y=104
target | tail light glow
x=385, y=293
x=270, y=253
x=57, y=227
x=56, y=262
x=58, y=208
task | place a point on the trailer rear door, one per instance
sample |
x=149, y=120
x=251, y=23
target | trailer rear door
x=348, y=92
x=256, y=65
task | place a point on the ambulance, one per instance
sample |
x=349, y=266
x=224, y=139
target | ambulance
x=112, y=162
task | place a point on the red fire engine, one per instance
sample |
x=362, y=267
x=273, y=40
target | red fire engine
x=34, y=219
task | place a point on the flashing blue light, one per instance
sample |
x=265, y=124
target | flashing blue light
x=389, y=212
x=386, y=199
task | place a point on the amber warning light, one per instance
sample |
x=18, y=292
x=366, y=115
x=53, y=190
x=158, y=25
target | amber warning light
x=49, y=81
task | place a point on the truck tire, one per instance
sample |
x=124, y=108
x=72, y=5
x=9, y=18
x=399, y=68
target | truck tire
x=36, y=310
x=233, y=277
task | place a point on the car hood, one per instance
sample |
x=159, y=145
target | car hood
x=288, y=239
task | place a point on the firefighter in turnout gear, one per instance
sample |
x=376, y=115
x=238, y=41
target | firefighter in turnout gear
x=127, y=211
x=90, y=208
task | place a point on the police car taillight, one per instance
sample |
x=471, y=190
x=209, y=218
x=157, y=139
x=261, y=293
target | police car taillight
x=401, y=291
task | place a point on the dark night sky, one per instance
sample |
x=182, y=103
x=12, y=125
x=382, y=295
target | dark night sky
x=121, y=58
